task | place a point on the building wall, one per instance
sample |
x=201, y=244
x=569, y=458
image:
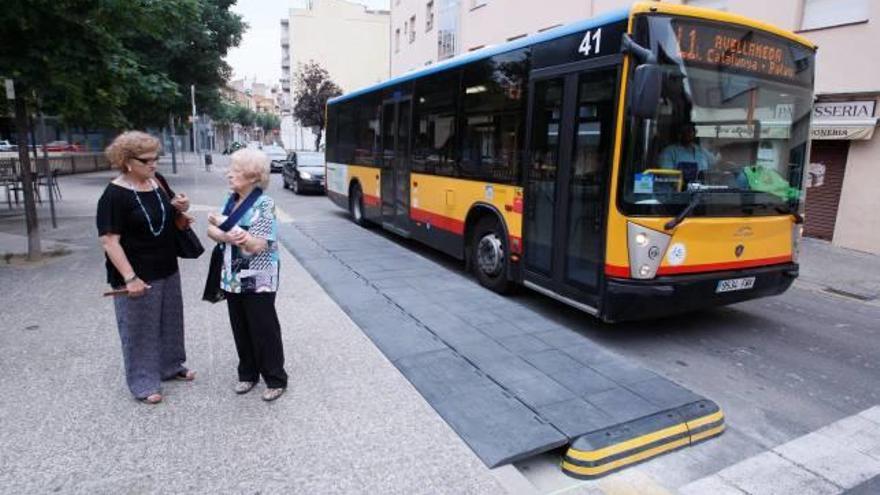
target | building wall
x=348, y=40
x=845, y=70
x=356, y=59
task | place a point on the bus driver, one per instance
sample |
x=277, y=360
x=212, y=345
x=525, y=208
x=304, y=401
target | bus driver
x=687, y=155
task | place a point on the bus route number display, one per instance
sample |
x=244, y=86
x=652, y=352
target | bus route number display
x=744, y=50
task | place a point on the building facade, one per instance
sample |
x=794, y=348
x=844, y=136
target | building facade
x=844, y=173
x=345, y=38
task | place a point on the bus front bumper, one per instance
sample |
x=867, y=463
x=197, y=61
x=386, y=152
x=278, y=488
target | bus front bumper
x=627, y=299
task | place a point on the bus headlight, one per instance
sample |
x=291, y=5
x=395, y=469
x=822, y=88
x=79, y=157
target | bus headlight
x=305, y=175
x=646, y=249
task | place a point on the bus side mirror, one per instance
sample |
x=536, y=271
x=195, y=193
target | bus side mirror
x=646, y=85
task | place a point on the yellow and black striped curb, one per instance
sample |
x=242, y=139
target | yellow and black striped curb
x=610, y=449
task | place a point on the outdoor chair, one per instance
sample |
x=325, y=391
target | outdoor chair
x=50, y=181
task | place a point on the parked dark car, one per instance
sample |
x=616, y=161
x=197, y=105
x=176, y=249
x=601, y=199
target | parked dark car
x=304, y=172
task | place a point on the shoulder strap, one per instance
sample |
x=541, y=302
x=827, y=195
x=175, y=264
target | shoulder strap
x=164, y=185
x=239, y=212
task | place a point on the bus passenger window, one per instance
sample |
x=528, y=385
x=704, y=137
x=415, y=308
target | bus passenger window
x=493, y=92
x=434, y=119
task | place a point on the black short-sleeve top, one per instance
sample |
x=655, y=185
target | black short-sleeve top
x=148, y=242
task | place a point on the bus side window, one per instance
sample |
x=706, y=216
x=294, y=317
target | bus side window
x=493, y=92
x=435, y=124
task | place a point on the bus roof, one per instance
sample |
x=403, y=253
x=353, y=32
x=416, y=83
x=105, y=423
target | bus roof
x=559, y=32
x=492, y=50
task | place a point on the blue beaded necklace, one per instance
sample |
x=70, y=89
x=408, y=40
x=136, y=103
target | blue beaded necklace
x=156, y=233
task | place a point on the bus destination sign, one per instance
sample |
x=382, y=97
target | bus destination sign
x=744, y=50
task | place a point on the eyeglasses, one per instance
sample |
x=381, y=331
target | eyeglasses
x=146, y=161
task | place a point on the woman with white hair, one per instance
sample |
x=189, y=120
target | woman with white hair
x=249, y=276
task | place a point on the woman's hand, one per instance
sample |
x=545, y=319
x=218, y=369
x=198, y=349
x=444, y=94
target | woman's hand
x=136, y=288
x=238, y=236
x=180, y=202
x=190, y=220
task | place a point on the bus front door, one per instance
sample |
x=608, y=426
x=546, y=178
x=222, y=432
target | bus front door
x=570, y=142
x=395, y=165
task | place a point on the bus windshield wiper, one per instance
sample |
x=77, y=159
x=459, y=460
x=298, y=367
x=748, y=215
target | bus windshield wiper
x=695, y=200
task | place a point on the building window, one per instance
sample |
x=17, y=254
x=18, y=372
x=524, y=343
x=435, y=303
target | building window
x=396, y=40
x=412, y=29
x=826, y=13
x=475, y=4
x=429, y=16
x=709, y=4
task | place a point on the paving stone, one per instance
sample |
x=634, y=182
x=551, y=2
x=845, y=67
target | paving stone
x=508, y=370
x=524, y=344
x=551, y=361
x=564, y=339
x=574, y=417
x=770, y=474
x=624, y=371
x=486, y=419
x=663, y=393
x=540, y=391
x=835, y=461
x=621, y=404
x=857, y=432
x=713, y=485
x=583, y=381
x=443, y=374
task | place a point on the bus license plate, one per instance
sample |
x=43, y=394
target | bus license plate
x=735, y=284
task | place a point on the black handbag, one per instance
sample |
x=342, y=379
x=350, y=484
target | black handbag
x=188, y=244
x=213, y=293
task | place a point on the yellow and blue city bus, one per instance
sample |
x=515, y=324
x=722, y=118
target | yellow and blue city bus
x=633, y=165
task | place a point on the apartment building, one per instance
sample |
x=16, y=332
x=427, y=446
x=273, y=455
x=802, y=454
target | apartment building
x=844, y=173
x=349, y=40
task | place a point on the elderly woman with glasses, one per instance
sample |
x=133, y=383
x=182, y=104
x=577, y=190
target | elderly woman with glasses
x=136, y=226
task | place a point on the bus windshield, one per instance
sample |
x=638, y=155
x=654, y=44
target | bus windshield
x=732, y=123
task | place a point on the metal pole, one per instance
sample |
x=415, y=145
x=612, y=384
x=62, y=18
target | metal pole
x=195, y=120
x=173, y=147
x=50, y=179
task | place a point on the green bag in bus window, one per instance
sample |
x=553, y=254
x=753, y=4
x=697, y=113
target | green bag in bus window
x=767, y=180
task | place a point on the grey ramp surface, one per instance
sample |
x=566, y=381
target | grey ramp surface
x=509, y=381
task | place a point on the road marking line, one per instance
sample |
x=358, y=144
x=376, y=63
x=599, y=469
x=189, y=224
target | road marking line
x=829, y=460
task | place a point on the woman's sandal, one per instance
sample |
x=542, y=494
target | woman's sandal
x=185, y=375
x=244, y=387
x=152, y=399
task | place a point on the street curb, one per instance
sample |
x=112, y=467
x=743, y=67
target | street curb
x=604, y=451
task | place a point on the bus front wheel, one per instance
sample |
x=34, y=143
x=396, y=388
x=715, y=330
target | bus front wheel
x=489, y=255
x=356, y=205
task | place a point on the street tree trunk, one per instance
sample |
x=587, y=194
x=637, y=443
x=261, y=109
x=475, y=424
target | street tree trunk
x=317, y=131
x=35, y=252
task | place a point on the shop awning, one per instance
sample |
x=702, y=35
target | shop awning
x=849, y=129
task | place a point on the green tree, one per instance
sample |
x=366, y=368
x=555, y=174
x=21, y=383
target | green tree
x=312, y=90
x=111, y=63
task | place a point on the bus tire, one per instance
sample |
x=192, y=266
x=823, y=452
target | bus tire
x=489, y=255
x=356, y=205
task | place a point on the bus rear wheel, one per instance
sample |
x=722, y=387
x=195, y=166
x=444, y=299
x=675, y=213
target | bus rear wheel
x=489, y=255
x=356, y=205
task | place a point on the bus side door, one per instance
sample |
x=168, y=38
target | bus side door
x=570, y=143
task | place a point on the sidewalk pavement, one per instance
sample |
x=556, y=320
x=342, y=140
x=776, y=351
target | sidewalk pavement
x=349, y=422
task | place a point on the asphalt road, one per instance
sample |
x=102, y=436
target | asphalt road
x=780, y=367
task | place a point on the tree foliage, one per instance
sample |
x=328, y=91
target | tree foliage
x=313, y=88
x=118, y=62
